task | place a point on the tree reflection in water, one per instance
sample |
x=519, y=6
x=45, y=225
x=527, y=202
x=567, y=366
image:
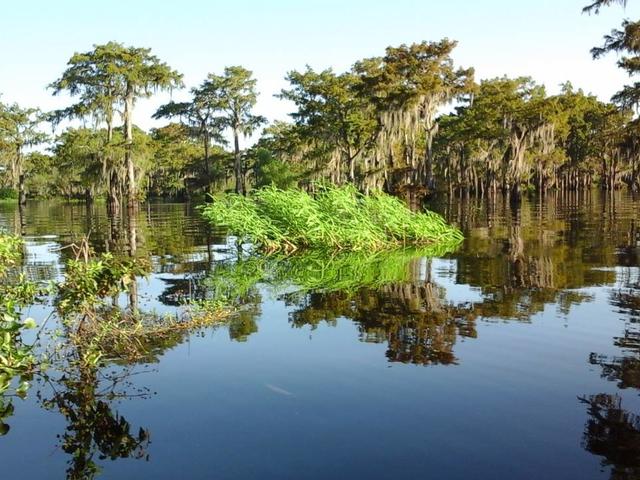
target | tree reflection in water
x=412, y=318
x=613, y=433
x=95, y=431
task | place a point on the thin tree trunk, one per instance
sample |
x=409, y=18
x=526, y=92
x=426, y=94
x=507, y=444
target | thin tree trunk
x=206, y=155
x=132, y=191
x=22, y=196
x=240, y=186
x=114, y=201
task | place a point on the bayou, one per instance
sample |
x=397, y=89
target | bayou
x=416, y=271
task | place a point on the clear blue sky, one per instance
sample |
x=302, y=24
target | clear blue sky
x=546, y=39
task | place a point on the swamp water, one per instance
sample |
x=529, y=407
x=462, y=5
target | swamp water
x=517, y=356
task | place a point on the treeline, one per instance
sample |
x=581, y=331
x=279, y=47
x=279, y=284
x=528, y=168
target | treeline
x=407, y=121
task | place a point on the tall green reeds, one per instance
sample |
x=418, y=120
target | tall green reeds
x=335, y=218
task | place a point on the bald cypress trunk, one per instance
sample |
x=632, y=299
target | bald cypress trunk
x=206, y=154
x=22, y=196
x=132, y=190
x=240, y=185
x=113, y=204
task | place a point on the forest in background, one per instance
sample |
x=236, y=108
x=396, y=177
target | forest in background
x=409, y=122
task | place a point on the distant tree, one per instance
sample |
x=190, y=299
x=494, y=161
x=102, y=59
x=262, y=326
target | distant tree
x=200, y=116
x=113, y=75
x=92, y=78
x=336, y=121
x=79, y=161
x=234, y=93
x=408, y=85
x=177, y=161
x=143, y=74
x=19, y=130
x=626, y=43
x=270, y=170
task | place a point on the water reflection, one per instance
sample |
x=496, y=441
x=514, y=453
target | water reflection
x=518, y=264
x=624, y=368
x=94, y=431
x=614, y=434
x=412, y=319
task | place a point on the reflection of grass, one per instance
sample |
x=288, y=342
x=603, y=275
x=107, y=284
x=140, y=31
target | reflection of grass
x=317, y=271
x=336, y=219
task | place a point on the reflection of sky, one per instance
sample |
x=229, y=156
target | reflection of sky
x=444, y=274
x=43, y=258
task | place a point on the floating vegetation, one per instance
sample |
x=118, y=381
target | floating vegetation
x=335, y=218
x=118, y=337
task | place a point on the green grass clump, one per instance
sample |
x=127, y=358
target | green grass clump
x=335, y=218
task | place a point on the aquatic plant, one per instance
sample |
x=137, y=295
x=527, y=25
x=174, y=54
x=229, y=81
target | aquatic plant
x=99, y=330
x=335, y=218
x=16, y=358
x=89, y=281
x=118, y=337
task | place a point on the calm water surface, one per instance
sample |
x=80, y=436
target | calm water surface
x=518, y=356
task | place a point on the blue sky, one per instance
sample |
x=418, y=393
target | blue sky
x=546, y=39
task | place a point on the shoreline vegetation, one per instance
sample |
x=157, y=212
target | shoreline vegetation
x=331, y=219
x=383, y=124
x=93, y=329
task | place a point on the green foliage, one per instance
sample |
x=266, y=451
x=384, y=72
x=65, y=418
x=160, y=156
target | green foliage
x=99, y=331
x=89, y=281
x=235, y=96
x=177, y=159
x=104, y=79
x=19, y=129
x=512, y=136
x=16, y=358
x=332, y=115
x=335, y=218
x=376, y=125
x=269, y=170
x=8, y=194
x=598, y=4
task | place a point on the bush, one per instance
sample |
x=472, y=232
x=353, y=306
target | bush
x=8, y=194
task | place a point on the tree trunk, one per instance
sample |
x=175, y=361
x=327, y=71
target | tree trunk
x=22, y=196
x=132, y=191
x=113, y=204
x=206, y=154
x=240, y=186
